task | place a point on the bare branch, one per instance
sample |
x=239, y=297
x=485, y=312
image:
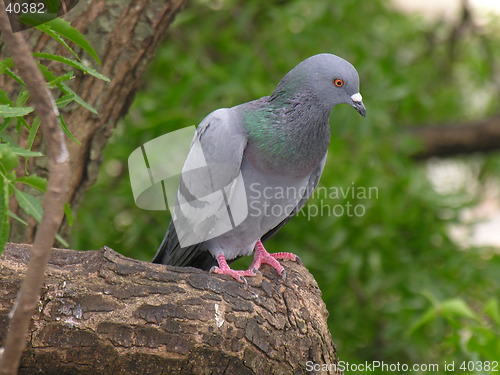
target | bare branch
x=448, y=140
x=53, y=203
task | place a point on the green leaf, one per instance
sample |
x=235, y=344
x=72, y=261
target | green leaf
x=54, y=35
x=73, y=63
x=35, y=19
x=427, y=317
x=428, y=294
x=62, y=240
x=57, y=81
x=65, y=100
x=8, y=111
x=449, y=308
x=67, y=131
x=4, y=213
x=54, y=81
x=6, y=64
x=4, y=136
x=8, y=158
x=456, y=307
x=26, y=153
x=64, y=88
x=15, y=77
x=4, y=126
x=64, y=77
x=69, y=214
x=38, y=183
x=22, y=98
x=47, y=74
x=20, y=123
x=53, y=6
x=4, y=98
x=32, y=132
x=493, y=310
x=30, y=204
x=17, y=218
x=64, y=28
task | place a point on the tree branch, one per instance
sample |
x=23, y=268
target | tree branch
x=53, y=202
x=479, y=136
x=102, y=313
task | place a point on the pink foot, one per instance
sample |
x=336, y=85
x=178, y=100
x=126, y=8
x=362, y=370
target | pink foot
x=261, y=256
x=224, y=269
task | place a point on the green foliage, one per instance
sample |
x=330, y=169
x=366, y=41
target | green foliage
x=475, y=333
x=16, y=116
x=9, y=111
x=375, y=268
x=58, y=28
x=72, y=63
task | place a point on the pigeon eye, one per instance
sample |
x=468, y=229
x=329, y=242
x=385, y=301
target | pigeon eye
x=338, y=82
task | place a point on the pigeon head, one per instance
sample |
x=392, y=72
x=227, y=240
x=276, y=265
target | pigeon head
x=329, y=79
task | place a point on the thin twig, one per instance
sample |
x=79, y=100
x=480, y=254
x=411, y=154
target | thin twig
x=53, y=203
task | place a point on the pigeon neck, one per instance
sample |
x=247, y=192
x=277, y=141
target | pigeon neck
x=289, y=133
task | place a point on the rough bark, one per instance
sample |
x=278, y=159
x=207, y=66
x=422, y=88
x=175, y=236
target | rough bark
x=125, y=34
x=102, y=313
x=479, y=136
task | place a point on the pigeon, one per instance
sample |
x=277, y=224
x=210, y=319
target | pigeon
x=274, y=150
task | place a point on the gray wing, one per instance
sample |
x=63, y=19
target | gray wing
x=311, y=185
x=223, y=141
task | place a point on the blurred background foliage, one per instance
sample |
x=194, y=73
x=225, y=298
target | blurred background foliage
x=397, y=287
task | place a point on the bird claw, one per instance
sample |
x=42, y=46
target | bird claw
x=261, y=257
x=256, y=271
x=235, y=274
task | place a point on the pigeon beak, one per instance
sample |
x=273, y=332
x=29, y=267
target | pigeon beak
x=357, y=103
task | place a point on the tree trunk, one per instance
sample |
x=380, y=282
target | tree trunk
x=102, y=313
x=125, y=34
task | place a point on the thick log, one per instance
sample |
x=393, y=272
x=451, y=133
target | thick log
x=102, y=313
